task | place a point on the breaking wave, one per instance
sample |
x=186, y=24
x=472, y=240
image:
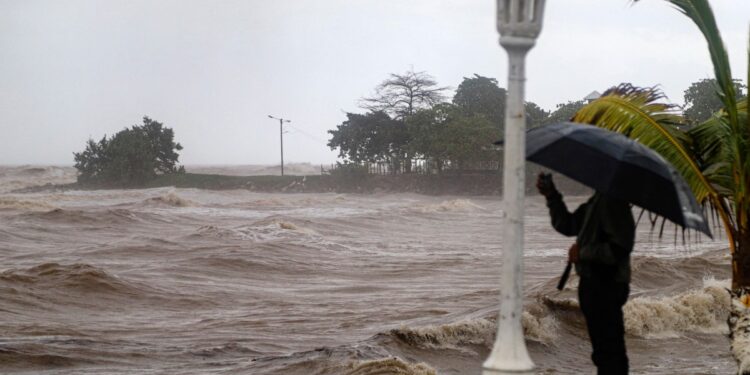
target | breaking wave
x=115, y=216
x=72, y=277
x=275, y=226
x=476, y=331
x=390, y=366
x=701, y=310
x=540, y=329
x=171, y=199
x=217, y=232
x=12, y=178
x=481, y=331
x=12, y=203
x=262, y=230
x=270, y=202
x=454, y=205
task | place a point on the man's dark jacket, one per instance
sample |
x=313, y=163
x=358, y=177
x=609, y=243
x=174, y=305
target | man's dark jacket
x=605, y=230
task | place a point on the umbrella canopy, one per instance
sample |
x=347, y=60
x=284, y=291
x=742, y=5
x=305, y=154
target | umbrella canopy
x=617, y=166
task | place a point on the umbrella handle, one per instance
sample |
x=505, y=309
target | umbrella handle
x=564, y=277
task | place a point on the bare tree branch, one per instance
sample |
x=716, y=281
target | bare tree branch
x=402, y=94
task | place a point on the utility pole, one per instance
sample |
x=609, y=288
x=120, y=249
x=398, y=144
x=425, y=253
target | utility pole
x=281, y=137
x=519, y=23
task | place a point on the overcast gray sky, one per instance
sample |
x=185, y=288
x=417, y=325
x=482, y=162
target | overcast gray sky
x=214, y=70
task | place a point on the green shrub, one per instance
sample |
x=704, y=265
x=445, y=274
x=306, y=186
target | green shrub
x=132, y=156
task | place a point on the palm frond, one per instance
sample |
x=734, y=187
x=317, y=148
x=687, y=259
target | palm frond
x=744, y=120
x=700, y=12
x=713, y=148
x=636, y=113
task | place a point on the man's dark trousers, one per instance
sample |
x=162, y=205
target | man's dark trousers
x=601, y=300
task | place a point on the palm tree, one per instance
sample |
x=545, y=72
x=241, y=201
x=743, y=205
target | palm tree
x=713, y=157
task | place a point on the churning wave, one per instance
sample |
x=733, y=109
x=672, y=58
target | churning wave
x=206, y=282
x=703, y=309
x=454, y=205
x=170, y=199
x=258, y=231
x=23, y=359
x=698, y=310
x=79, y=277
x=479, y=331
x=65, y=216
x=13, y=203
x=390, y=366
x=53, y=286
x=276, y=226
x=12, y=178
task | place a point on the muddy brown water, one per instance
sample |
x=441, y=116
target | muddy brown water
x=188, y=281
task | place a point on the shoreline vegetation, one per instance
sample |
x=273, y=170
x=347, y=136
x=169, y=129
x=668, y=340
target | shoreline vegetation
x=466, y=184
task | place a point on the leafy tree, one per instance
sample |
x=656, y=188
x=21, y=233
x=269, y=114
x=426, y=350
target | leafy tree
x=132, y=156
x=564, y=112
x=468, y=139
x=714, y=156
x=371, y=137
x=92, y=160
x=398, y=97
x=446, y=134
x=425, y=127
x=402, y=94
x=701, y=100
x=482, y=95
x=535, y=115
x=162, y=145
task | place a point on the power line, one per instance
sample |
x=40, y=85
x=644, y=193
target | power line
x=308, y=135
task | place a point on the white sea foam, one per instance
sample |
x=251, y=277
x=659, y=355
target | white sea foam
x=390, y=366
x=172, y=199
x=739, y=326
x=452, y=335
x=12, y=203
x=542, y=329
x=699, y=310
x=454, y=205
x=480, y=331
x=12, y=178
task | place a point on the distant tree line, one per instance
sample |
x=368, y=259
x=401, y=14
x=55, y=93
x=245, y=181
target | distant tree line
x=130, y=157
x=408, y=119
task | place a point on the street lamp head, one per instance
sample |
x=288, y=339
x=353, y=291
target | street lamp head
x=519, y=22
x=280, y=119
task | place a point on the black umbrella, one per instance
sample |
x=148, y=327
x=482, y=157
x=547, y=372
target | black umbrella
x=617, y=166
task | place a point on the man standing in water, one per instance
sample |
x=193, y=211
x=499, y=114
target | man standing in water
x=605, y=232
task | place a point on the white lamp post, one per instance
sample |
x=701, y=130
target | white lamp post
x=519, y=23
